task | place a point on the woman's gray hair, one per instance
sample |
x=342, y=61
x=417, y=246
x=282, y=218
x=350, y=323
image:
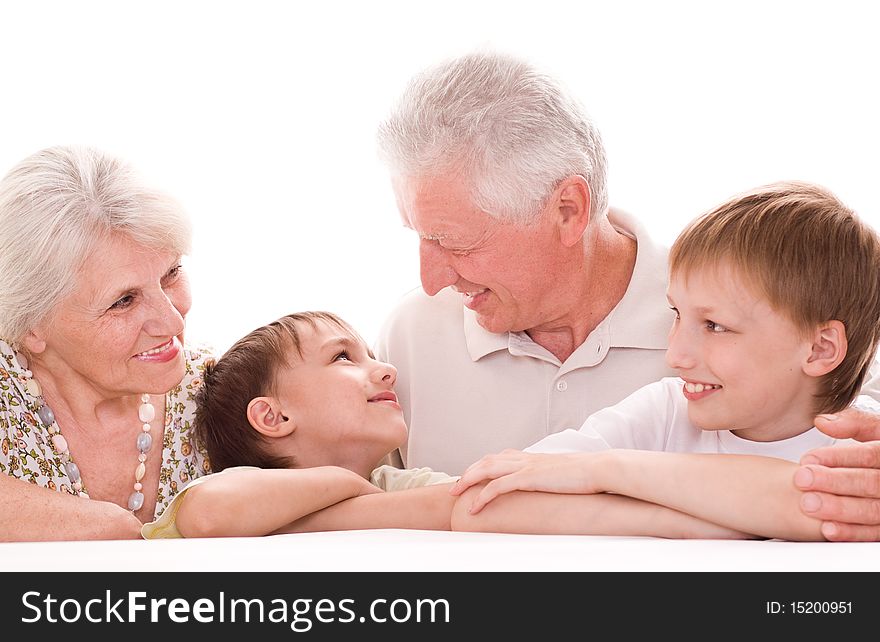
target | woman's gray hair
x=56, y=206
x=513, y=132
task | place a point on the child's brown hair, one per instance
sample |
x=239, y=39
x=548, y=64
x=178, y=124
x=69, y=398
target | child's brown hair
x=246, y=371
x=810, y=256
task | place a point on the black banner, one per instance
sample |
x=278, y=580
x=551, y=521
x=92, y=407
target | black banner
x=342, y=605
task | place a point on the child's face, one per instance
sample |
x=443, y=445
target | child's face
x=740, y=359
x=341, y=401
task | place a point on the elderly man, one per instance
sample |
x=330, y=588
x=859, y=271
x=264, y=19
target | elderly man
x=541, y=305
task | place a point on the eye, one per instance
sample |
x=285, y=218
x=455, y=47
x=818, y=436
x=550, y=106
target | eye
x=342, y=356
x=123, y=302
x=711, y=326
x=172, y=274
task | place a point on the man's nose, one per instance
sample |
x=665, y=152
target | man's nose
x=436, y=271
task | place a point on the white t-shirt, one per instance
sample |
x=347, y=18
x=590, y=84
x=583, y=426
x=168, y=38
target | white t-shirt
x=466, y=392
x=655, y=418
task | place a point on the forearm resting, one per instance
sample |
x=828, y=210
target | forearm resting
x=30, y=513
x=426, y=508
x=249, y=503
x=599, y=514
x=742, y=492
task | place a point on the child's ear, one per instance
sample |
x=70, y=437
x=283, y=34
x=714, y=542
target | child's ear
x=264, y=414
x=828, y=349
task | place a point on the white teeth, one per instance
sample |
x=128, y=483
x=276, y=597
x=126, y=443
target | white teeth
x=700, y=387
x=156, y=350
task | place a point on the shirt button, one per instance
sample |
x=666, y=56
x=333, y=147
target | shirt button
x=561, y=386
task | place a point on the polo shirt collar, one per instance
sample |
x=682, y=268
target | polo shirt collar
x=642, y=318
x=635, y=322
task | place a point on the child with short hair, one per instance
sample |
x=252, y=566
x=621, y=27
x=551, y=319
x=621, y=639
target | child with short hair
x=297, y=415
x=776, y=295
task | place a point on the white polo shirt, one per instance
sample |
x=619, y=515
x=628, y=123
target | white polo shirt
x=466, y=392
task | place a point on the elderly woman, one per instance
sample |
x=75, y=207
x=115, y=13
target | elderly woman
x=96, y=383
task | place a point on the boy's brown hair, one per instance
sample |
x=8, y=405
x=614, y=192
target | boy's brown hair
x=810, y=256
x=246, y=371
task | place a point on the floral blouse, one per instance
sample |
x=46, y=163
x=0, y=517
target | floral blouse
x=26, y=451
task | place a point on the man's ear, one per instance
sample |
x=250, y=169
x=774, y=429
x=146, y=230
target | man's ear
x=572, y=203
x=828, y=349
x=265, y=416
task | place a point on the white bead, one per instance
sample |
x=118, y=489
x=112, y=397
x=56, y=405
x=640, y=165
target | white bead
x=60, y=443
x=147, y=412
x=145, y=398
x=33, y=388
x=146, y=427
x=140, y=472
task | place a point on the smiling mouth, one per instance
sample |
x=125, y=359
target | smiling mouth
x=697, y=388
x=157, y=350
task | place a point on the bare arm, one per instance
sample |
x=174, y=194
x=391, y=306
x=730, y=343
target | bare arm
x=426, y=508
x=841, y=485
x=252, y=502
x=31, y=513
x=565, y=514
x=742, y=492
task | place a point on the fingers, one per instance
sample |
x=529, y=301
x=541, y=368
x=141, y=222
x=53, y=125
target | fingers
x=844, y=510
x=865, y=456
x=850, y=424
x=487, y=468
x=844, y=481
x=493, y=489
x=839, y=532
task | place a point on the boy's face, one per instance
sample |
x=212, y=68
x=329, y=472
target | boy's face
x=741, y=361
x=341, y=401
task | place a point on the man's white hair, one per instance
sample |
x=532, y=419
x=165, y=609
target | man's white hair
x=56, y=207
x=512, y=132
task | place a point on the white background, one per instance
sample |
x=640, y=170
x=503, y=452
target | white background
x=260, y=117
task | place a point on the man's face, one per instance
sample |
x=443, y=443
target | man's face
x=502, y=270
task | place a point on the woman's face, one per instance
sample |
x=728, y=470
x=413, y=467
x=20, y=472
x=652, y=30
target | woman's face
x=121, y=330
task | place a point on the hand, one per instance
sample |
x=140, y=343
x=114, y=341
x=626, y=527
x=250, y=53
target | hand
x=513, y=470
x=843, y=482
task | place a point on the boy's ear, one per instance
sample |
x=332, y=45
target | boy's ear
x=828, y=349
x=264, y=414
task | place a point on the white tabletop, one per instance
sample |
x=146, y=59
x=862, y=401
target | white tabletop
x=413, y=550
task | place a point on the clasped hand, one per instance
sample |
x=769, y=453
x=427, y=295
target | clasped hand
x=512, y=470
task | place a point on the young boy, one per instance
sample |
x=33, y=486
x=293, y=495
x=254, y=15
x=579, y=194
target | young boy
x=776, y=295
x=297, y=415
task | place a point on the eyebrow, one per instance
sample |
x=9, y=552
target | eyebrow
x=346, y=343
x=105, y=295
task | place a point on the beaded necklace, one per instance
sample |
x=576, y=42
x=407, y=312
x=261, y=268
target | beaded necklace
x=146, y=414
